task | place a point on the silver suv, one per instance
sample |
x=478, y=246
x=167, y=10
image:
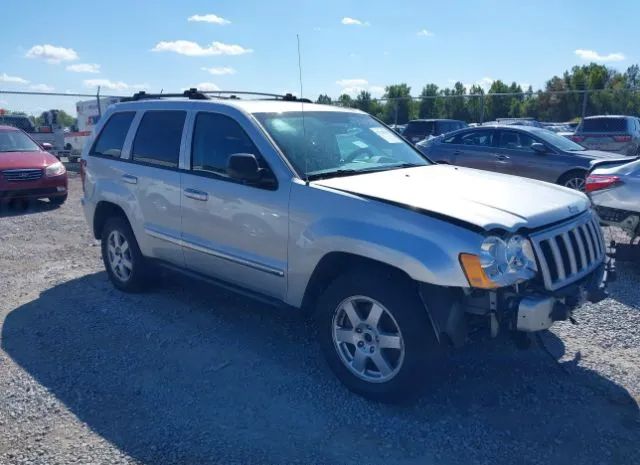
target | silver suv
x=325, y=209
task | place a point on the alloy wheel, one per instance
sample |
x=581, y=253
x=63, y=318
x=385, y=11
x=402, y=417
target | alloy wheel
x=119, y=255
x=368, y=339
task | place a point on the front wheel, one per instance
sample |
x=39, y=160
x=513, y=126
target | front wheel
x=376, y=335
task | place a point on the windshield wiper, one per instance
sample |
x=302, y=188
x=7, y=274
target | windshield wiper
x=352, y=172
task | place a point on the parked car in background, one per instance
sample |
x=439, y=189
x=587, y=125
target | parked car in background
x=519, y=150
x=420, y=129
x=615, y=191
x=620, y=134
x=399, y=128
x=327, y=210
x=518, y=122
x=27, y=171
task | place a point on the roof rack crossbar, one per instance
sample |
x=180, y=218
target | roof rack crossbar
x=195, y=94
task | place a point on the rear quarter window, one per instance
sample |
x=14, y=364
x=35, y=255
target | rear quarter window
x=111, y=139
x=605, y=125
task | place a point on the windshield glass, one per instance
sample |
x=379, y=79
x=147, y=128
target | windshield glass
x=16, y=141
x=559, y=141
x=335, y=142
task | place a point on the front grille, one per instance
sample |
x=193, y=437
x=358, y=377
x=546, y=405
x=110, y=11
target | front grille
x=22, y=175
x=568, y=252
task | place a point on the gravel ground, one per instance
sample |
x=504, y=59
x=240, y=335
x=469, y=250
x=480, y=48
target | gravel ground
x=191, y=374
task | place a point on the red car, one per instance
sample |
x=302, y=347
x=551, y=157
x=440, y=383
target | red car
x=28, y=171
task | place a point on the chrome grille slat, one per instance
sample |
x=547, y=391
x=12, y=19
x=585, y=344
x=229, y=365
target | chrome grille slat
x=557, y=258
x=570, y=251
x=22, y=175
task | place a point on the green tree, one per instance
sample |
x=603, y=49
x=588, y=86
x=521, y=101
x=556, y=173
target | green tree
x=399, y=108
x=363, y=101
x=427, y=104
x=345, y=100
x=324, y=99
x=497, y=106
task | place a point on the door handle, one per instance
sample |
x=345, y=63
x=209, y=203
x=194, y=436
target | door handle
x=196, y=194
x=129, y=179
x=457, y=152
x=501, y=157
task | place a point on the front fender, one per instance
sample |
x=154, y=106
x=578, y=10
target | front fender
x=425, y=248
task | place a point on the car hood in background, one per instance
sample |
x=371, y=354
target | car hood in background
x=481, y=198
x=15, y=160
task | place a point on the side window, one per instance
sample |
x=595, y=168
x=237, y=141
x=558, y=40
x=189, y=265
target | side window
x=481, y=138
x=158, y=138
x=111, y=139
x=215, y=138
x=513, y=140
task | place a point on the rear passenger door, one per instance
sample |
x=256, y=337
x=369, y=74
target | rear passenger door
x=230, y=230
x=153, y=181
x=472, y=149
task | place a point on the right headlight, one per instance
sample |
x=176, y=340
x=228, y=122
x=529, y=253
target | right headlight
x=501, y=262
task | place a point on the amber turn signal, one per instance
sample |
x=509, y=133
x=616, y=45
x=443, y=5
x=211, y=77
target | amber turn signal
x=474, y=272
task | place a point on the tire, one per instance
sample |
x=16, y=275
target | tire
x=130, y=272
x=573, y=179
x=397, y=297
x=57, y=201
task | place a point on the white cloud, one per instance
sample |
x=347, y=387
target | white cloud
x=210, y=18
x=186, y=47
x=354, y=22
x=106, y=84
x=41, y=88
x=425, y=33
x=592, y=55
x=4, y=77
x=206, y=86
x=354, y=86
x=352, y=82
x=52, y=54
x=84, y=68
x=219, y=71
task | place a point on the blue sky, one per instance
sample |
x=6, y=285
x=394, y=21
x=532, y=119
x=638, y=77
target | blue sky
x=73, y=46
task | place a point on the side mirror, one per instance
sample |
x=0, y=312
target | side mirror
x=539, y=148
x=46, y=146
x=244, y=167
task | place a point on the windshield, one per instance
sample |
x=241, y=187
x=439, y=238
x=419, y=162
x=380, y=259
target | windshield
x=559, y=141
x=335, y=143
x=16, y=141
x=419, y=128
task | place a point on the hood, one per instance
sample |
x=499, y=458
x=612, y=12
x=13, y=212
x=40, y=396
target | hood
x=481, y=198
x=16, y=160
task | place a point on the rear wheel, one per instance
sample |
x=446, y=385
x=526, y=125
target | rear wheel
x=573, y=180
x=376, y=335
x=123, y=261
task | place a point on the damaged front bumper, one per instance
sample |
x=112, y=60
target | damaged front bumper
x=527, y=307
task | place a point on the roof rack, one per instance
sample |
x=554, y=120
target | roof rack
x=195, y=94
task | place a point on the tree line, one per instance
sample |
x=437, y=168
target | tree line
x=562, y=99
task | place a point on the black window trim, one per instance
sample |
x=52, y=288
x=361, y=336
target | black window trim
x=220, y=176
x=91, y=152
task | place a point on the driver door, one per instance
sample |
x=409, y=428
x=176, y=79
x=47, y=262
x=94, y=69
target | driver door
x=230, y=230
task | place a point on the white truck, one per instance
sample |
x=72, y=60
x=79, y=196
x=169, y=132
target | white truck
x=88, y=115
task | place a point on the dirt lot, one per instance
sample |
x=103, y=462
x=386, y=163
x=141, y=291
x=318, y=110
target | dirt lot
x=191, y=374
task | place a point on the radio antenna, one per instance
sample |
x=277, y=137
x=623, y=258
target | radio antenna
x=304, y=129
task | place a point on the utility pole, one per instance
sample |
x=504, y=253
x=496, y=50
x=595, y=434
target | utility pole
x=585, y=98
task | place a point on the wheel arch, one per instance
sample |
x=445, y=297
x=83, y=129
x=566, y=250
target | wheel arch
x=105, y=210
x=334, y=264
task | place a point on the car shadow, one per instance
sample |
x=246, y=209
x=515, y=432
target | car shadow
x=191, y=374
x=20, y=207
